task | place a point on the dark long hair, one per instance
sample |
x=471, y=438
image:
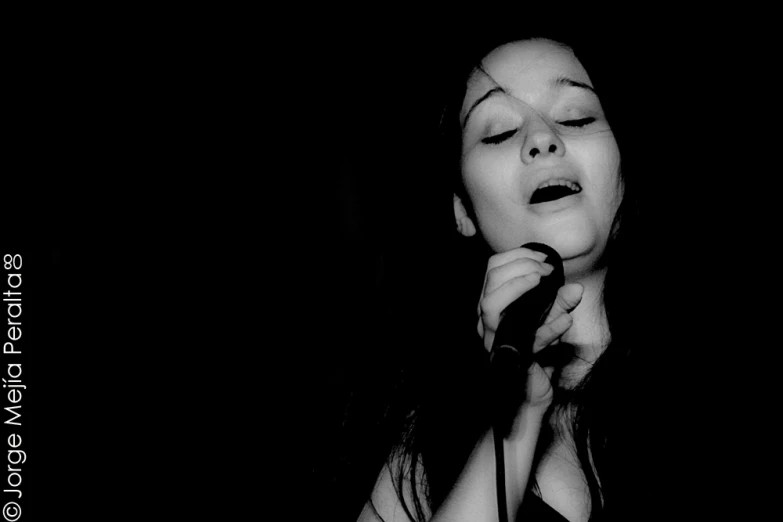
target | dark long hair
x=435, y=410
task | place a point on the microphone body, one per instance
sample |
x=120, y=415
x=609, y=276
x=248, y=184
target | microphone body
x=512, y=348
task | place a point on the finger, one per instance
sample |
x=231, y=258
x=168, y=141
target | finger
x=552, y=331
x=568, y=297
x=539, y=386
x=488, y=336
x=511, y=255
x=497, y=276
x=516, y=253
x=493, y=304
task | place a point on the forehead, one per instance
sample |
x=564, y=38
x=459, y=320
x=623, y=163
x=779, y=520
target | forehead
x=524, y=69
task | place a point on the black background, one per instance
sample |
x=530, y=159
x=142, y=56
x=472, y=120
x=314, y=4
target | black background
x=207, y=217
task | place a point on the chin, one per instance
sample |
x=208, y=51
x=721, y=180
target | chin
x=579, y=241
x=580, y=268
x=580, y=249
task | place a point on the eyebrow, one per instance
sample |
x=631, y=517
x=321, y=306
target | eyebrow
x=486, y=95
x=562, y=81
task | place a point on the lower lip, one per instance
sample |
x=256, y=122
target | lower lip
x=557, y=205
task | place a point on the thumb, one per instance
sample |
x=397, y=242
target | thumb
x=568, y=297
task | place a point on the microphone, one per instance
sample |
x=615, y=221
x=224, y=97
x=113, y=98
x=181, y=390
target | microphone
x=512, y=348
x=512, y=355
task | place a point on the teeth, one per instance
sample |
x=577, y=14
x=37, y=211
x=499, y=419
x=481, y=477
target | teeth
x=570, y=184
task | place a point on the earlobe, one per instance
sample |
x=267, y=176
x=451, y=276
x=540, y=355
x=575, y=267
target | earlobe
x=465, y=225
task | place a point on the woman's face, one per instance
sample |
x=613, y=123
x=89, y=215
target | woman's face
x=539, y=161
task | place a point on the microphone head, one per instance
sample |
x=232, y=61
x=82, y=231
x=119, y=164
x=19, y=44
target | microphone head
x=552, y=258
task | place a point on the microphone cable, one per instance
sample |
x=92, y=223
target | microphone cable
x=512, y=355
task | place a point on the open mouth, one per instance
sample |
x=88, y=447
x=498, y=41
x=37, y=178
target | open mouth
x=553, y=190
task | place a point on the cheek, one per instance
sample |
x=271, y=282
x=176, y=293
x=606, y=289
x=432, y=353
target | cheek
x=610, y=184
x=488, y=178
x=601, y=163
x=491, y=183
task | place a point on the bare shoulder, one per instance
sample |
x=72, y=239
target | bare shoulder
x=385, y=501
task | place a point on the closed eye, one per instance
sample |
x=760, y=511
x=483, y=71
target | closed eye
x=577, y=123
x=499, y=138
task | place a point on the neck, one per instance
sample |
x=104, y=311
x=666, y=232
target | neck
x=589, y=332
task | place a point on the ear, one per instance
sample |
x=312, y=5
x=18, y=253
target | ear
x=465, y=225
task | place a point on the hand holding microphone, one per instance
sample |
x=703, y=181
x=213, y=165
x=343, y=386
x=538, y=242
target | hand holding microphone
x=524, y=308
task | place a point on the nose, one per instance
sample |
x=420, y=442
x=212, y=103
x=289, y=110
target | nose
x=540, y=142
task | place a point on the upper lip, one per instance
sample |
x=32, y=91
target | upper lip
x=546, y=174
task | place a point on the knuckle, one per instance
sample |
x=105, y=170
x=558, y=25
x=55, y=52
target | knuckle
x=544, y=333
x=492, y=276
x=561, y=323
x=494, y=260
x=490, y=324
x=525, y=263
x=487, y=307
x=565, y=301
x=533, y=277
x=566, y=320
